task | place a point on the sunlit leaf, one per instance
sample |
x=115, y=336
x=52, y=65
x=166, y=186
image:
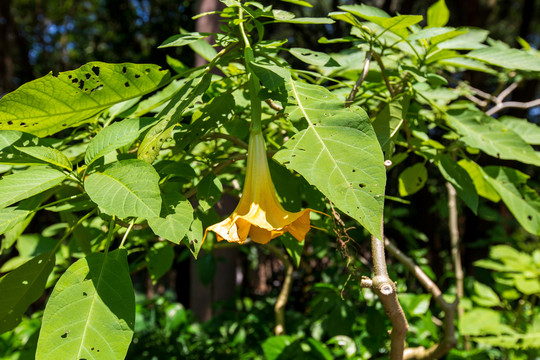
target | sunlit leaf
x=126, y=188
x=487, y=134
x=56, y=102
x=183, y=39
x=47, y=154
x=521, y=200
x=460, y=179
x=175, y=219
x=115, y=136
x=513, y=59
x=26, y=183
x=91, y=311
x=528, y=131
x=338, y=152
x=412, y=179
x=438, y=14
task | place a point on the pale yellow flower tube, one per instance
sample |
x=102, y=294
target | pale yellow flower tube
x=259, y=213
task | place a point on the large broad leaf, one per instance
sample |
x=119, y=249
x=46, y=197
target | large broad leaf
x=507, y=58
x=55, y=102
x=175, y=218
x=159, y=260
x=521, y=200
x=487, y=134
x=338, y=152
x=114, y=137
x=126, y=188
x=26, y=183
x=21, y=287
x=91, y=311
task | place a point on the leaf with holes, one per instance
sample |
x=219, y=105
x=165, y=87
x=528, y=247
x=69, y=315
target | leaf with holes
x=21, y=287
x=91, y=311
x=412, y=179
x=115, y=136
x=313, y=57
x=483, y=132
x=338, y=153
x=522, y=201
x=27, y=183
x=52, y=103
x=175, y=218
x=126, y=188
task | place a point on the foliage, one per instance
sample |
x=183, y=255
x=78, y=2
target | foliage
x=126, y=163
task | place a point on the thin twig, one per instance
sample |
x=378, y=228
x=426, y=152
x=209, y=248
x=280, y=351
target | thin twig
x=281, y=302
x=449, y=340
x=383, y=73
x=360, y=80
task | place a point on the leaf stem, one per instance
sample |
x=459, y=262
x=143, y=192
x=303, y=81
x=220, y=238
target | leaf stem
x=126, y=234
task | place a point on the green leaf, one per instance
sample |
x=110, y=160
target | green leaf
x=294, y=248
x=21, y=287
x=346, y=17
x=522, y=201
x=430, y=32
x=91, y=311
x=115, y=136
x=271, y=76
x=438, y=14
x=47, y=154
x=159, y=260
x=528, y=131
x=170, y=116
x=483, y=187
x=412, y=179
x=274, y=346
x=298, y=2
x=388, y=122
x=307, y=20
x=204, y=49
x=9, y=217
x=27, y=183
x=183, y=39
x=126, y=188
x=484, y=295
x=483, y=322
x=194, y=237
x=461, y=181
x=55, y=102
x=175, y=219
x=338, y=153
x=396, y=24
x=313, y=57
x=483, y=132
x=513, y=59
x=415, y=304
x=462, y=39
x=209, y=191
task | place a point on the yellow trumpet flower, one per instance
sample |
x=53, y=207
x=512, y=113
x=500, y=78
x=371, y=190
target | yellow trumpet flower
x=259, y=213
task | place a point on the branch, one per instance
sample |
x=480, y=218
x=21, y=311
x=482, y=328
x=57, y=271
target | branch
x=513, y=104
x=281, y=302
x=449, y=339
x=383, y=73
x=360, y=80
x=273, y=105
x=385, y=289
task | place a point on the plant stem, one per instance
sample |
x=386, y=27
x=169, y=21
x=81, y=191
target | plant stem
x=126, y=234
x=281, y=302
x=253, y=83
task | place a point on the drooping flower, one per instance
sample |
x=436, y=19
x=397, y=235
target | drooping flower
x=259, y=213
